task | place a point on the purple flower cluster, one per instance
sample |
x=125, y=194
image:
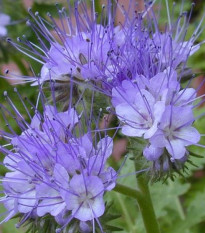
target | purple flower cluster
x=158, y=110
x=54, y=171
x=82, y=55
x=147, y=94
x=80, y=47
x=58, y=164
x=87, y=48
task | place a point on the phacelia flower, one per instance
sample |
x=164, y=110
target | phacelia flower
x=102, y=53
x=146, y=91
x=55, y=168
x=161, y=112
x=81, y=49
x=174, y=132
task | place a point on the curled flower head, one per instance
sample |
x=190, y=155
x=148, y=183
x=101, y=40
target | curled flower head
x=96, y=51
x=80, y=47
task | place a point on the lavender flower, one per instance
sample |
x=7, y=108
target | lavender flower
x=83, y=47
x=161, y=112
x=147, y=95
x=86, y=197
x=102, y=54
x=172, y=50
x=53, y=171
x=58, y=163
x=176, y=133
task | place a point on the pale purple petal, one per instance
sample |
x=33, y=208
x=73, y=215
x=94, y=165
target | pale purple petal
x=105, y=147
x=52, y=206
x=124, y=94
x=158, y=139
x=86, y=142
x=127, y=113
x=176, y=148
x=152, y=153
x=132, y=132
x=44, y=190
x=185, y=96
x=3, y=31
x=188, y=135
x=159, y=108
x=10, y=162
x=86, y=199
x=61, y=175
x=90, y=211
x=27, y=201
x=4, y=19
x=181, y=116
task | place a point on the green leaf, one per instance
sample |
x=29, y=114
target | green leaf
x=195, y=214
x=165, y=196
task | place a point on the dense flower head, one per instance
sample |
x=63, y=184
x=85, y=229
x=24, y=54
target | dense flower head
x=138, y=63
x=103, y=53
x=58, y=161
x=56, y=168
x=149, y=100
x=80, y=47
x=161, y=112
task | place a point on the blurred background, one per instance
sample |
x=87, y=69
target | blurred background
x=180, y=206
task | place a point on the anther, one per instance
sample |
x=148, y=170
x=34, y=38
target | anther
x=172, y=159
x=108, y=109
x=17, y=225
x=109, y=79
x=30, y=10
x=28, y=23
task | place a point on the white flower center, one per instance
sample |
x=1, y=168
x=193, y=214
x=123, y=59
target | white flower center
x=169, y=132
x=86, y=199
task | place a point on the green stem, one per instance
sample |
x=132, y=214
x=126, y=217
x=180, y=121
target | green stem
x=146, y=206
x=127, y=191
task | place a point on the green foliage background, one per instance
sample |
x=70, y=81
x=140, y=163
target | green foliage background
x=179, y=205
